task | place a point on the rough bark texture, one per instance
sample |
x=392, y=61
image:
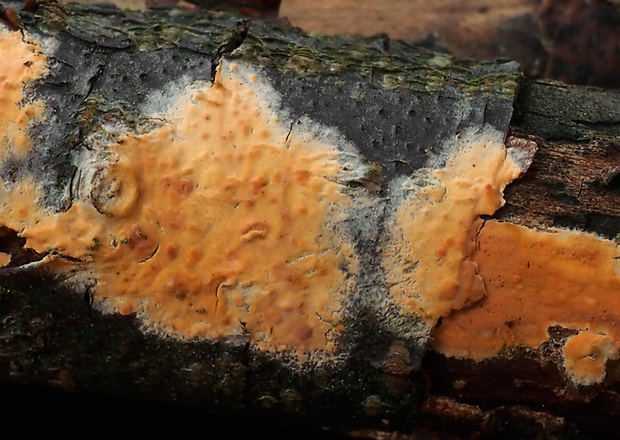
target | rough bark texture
x=398, y=105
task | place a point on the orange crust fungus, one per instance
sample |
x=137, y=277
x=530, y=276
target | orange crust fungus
x=586, y=356
x=22, y=62
x=495, y=284
x=535, y=280
x=428, y=259
x=221, y=222
x=226, y=220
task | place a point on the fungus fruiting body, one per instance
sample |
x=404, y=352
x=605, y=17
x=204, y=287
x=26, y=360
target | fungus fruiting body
x=535, y=280
x=433, y=231
x=227, y=218
x=22, y=63
x=220, y=222
x=495, y=284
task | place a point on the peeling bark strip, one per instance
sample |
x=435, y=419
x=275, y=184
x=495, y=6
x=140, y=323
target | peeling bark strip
x=309, y=212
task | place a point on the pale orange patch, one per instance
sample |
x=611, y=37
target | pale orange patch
x=535, y=280
x=22, y=62
x=215, y=224
x=428, y=258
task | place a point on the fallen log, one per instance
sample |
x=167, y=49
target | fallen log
x=240, y=218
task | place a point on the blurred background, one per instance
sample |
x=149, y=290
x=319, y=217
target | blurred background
x=574, y=41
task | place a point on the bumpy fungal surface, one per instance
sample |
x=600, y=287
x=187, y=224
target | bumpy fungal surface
x=535, y=280
x=22, y=62
x=228, y=218
x=223, y=221
x=495, y=284
x=428, y=259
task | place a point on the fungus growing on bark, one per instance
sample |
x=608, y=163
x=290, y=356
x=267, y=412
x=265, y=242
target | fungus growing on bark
x=22, y=63
x=222, y=221
x=536, y=280
x=428, y=258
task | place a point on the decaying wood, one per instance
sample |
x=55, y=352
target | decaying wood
x=398, y=105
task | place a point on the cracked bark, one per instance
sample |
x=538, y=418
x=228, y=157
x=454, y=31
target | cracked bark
x=51, y=337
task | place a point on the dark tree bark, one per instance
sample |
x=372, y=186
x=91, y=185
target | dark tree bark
x=398, y=105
